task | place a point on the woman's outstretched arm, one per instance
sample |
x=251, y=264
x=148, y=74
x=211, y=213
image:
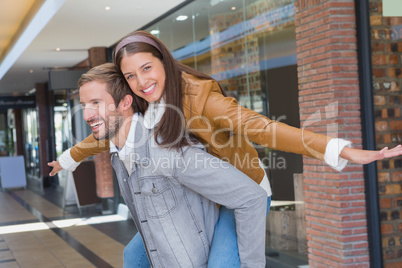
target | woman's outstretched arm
x=359, y=156
x=72, y=157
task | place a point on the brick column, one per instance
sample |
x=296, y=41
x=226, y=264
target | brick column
x=103, y=166
x=104, y=175
x=329, y=104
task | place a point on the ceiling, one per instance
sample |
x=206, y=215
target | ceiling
x=31, y=31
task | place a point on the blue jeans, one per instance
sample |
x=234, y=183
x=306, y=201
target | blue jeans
x=224, y=251
x=134, y=255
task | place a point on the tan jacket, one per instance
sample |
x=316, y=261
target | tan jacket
x=226, y=129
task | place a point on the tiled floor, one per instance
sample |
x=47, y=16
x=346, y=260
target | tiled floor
x=35, y=231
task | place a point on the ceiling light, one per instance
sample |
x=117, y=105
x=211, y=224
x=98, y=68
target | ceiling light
x=181, y=17
x=32, y=91
x=31, y=71
x=58, y=49
x=215, y=2
x=107, y=8
x=155, y=32
x=233, y=8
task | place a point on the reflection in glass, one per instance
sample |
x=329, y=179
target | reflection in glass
x=249, y=47
x=31, y=142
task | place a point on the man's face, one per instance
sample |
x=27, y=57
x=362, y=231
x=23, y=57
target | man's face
x=99, y=110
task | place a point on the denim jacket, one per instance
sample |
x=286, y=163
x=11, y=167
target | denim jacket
x=172, y=196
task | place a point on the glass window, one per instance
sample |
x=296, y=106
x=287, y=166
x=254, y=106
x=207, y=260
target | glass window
x=31, y=142
x=249, y=47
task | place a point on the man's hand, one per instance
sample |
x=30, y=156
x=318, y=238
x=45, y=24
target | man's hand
x=366, y=156
x=56, y=167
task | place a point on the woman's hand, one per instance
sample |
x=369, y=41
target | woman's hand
x=56, y=167
x=367, y=156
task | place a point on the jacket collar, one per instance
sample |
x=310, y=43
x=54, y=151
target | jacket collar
x=154, y=113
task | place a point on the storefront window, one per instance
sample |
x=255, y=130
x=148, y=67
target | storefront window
x=7, y=135
x=249, y=47
x=3, y=133
x=60, y=125
x=31, y=142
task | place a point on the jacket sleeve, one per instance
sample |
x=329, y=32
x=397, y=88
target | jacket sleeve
x=88, y=147
x=222, y=183
x=226, y=113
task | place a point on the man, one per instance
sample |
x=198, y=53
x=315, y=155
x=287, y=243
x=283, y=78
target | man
x=171, y=194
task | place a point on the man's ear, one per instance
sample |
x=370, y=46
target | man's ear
x=127, y=102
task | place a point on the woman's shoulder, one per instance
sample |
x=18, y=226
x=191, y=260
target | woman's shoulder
x=196, y=92
x=194, y=85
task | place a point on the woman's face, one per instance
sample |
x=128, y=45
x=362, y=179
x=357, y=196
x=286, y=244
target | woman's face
x=145, y=75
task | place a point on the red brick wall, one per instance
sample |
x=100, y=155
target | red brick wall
x=328, y=83
x=103, y=166
x=386, y=46
x=104, y=175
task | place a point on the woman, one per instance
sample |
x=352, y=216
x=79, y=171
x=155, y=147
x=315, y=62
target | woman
x=174, y=211
x=176, y=98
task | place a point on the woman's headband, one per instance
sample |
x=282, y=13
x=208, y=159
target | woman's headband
x=133, y=39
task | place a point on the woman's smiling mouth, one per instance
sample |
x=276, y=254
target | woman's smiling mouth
x=149, y=90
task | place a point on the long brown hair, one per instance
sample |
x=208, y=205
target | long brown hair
x=171, y=127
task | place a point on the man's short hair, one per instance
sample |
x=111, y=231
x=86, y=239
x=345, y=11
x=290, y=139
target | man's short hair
x=107, y=73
